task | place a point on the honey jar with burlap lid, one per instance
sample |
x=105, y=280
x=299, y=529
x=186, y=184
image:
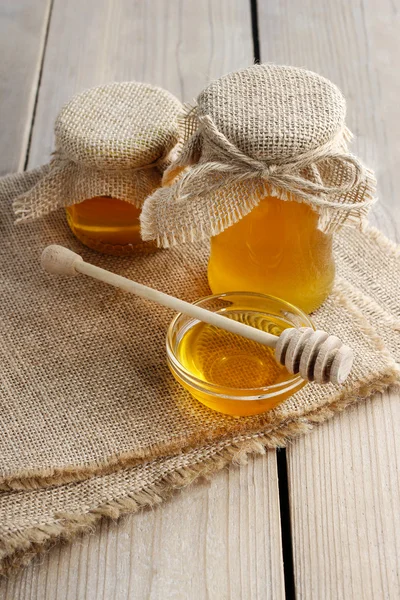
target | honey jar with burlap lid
x=113, y=143
x=266, y=173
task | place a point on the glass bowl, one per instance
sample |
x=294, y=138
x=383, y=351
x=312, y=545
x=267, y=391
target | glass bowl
x=229, y=373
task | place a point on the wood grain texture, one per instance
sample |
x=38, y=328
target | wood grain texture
x=23, y=26
x=356, y=45
x=179, y=45
x=218, y=540
x=343, y=478
x=344, y=492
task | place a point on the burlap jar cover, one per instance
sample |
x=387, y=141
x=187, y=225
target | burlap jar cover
x=113, y=140
x=267, y=129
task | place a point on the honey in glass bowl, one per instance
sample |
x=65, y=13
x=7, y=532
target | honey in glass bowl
x=229, y=373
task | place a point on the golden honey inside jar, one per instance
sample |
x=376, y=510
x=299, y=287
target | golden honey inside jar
x=229, y=373
x=276, y=249
x=108, y=225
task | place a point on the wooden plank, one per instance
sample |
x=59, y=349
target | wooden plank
x=217, y=541
x=97, y=41
x=22, y=35
x=345, y=491
x=210, y=542
x=343, y=478
x=355, y=45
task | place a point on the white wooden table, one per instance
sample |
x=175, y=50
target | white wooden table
x=320, y=520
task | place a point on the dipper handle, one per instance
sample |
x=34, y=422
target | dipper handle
x=316, y=355
x=61, y=261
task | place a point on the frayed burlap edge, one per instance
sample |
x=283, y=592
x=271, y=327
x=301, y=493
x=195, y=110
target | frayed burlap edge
x=45, y=478
x=385, y=243
x=367, y=305
x=34, y=479
x=20, y=548
x=252, y=195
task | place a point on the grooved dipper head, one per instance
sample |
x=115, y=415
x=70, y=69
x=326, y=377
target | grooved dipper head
x=315, y=355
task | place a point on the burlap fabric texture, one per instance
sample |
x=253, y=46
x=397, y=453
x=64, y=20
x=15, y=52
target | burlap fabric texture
x=85, y=388
x=85, y=385
x=113, y=140
x=266, y=129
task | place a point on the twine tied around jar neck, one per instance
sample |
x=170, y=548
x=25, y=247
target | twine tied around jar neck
x=286, y=174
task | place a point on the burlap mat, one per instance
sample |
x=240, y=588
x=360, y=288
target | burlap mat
x=77, y=360
x=85, y=386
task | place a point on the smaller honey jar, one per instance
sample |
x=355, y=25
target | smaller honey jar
x=113, y=143
x=266, y=174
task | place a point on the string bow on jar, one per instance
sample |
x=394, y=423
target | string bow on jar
x=265, y=130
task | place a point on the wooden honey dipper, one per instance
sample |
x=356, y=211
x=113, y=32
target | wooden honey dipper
x=316, y=355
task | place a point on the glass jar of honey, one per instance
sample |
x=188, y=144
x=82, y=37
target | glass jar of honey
x=276, y=248
x=266, y=174
x=108, y=225
x=113, y=143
